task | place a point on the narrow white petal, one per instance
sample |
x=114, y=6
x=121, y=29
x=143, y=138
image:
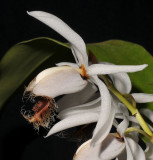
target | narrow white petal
x=104, y=130
x=78, y=98
x=72, y=121
x=107, y=113
x=63, y=29
x=148, y=113
x=121, y=81
x=67, y=64
x=93, y=106
x=59, y=83
x=142, y=97
x=125, y=123
x=111, y=145
x=108, y=149
x=134, y=151
x=111, y=69
x=149, y=151
x=123, y=126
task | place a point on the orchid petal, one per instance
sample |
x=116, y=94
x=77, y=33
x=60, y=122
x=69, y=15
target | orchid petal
x=134, y=151
x=107, y=113
x=75, y=120
x=93, y=106
x=115, y=123
x=50, y=71
x=60, y=82
x=111, y=69
x=148, y=113
x=123, y=125
x=149, y=151
x=44, y=74
x=122, y=156
x=78, y=98
x=111, y=145
x=63, y=29
x=142, y=97
x=103, y=131
x=123, y=109
x=121, y=81
x=108, y=149
x=121, y=128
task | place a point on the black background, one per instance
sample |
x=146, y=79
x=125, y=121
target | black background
x=95, y=21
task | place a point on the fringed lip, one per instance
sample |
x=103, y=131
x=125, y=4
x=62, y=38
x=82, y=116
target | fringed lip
x=39, y=108
x=42, y=113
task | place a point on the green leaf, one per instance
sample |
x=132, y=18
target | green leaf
x=127, y=53
x=24, y=58
x=30, y=57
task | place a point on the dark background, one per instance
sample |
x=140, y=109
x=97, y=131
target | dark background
x=95, y=21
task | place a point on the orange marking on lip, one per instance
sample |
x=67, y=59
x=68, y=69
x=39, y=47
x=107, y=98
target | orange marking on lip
x=43, y=113
x=40, y=108
x=84, y=72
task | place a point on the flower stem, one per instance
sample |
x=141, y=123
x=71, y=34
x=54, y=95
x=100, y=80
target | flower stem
x=134, y=111
x=130, y=97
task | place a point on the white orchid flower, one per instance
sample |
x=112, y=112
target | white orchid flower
x=120, y=80
x=110, y=148
x=69, y=78
x=121, y=147
x=132, y=151
x=101, y=151
x=113, y=146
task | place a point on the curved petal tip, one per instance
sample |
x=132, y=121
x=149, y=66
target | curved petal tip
x=110, y=148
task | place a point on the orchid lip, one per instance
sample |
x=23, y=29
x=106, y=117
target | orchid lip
x=42, y=113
